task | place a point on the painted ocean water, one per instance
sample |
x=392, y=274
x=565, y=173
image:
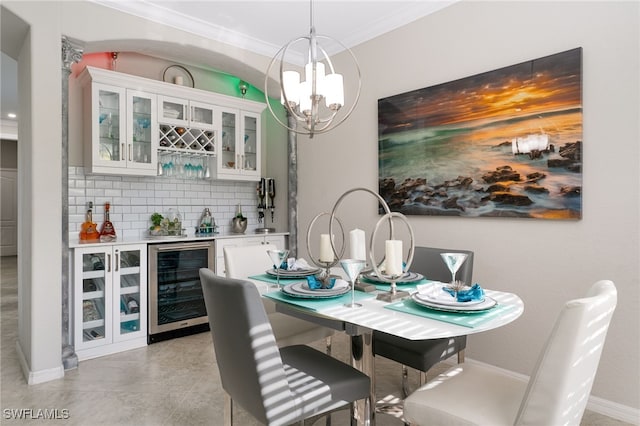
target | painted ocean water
x=443, y=154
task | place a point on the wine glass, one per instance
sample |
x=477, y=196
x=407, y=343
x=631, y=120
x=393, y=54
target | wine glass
x=453, y=262
x=277, y=257
x=352, y=267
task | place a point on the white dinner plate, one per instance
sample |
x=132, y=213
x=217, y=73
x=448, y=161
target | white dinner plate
x=302, y=290
x=406, y=278
x=488, y=303
x=437, y=295
x=294, y=274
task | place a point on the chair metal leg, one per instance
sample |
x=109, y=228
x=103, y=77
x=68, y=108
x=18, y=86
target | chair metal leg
x=405, y=382
x=228, y=410
x=423, y=378
x=461, y=356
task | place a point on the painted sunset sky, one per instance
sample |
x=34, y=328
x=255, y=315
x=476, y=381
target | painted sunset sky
x=543, y=85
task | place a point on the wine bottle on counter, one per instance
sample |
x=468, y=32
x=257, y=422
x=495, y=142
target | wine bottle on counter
x=107, y=231
x=89, y=230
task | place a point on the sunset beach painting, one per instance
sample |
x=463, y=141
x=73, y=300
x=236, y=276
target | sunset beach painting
x=505, y=143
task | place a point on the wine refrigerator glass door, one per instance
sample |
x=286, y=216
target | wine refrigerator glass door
x=175, y=293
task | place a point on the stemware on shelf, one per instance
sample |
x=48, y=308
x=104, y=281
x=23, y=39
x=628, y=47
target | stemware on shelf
x=352, y=267
x=277, y=257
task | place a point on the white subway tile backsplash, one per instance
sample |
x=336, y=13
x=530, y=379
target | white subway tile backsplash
x=134, y=199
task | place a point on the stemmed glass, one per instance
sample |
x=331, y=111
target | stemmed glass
x=277, y=257
x=453, y=262
x=352, y=267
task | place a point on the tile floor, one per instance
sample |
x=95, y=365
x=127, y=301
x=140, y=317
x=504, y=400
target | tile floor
x=168, y=383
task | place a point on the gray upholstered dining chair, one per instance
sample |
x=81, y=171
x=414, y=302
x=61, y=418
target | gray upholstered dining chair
x=557, y=391
x=277, y=386
x=424, y=354
x=244, y=261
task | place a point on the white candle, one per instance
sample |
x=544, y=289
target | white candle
x=356, y=244
x=178, y=80
x=393, y=257
x=326, y=252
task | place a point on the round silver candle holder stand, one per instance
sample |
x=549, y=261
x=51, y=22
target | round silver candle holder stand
x=393, y=294
x=387, y=210
x=325, y=276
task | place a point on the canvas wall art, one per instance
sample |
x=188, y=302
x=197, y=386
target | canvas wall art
x=505, y=143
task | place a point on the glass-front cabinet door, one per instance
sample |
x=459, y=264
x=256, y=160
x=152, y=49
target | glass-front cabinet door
x=92, y=312
x=201, y=115
x=109, y=126
x=250, y=145
x=173, y=111
x=130, y=292
x=228, y=157
x=142, y=136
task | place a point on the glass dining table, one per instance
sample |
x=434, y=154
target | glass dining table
x=404, y=318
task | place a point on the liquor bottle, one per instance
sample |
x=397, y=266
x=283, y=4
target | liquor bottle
x=89, y=230
x=132, y=305
x=107, y=231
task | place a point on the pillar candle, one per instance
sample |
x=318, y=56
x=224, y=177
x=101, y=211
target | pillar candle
x=393, y=257
x=178, y=80
x=357, y=248
x=326, y=252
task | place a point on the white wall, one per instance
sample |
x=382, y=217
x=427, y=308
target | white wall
x=545, y=262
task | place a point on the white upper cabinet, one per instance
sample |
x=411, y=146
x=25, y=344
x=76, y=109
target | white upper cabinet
x=239, y=145
x=183, y=112
x=120, y=131
x=128, y=120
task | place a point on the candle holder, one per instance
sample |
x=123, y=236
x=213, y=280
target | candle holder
x=393, y=294
x=325, y=275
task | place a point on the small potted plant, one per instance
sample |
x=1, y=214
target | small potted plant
x=239, y=223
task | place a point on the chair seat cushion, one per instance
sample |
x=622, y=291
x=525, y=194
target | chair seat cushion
x=344, y=382
x=293, y=331
x=418, y=354
x=490, y=398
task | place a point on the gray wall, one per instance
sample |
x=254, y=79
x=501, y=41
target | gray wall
x=544, y=261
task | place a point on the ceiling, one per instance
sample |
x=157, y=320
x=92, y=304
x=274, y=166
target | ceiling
x=261, y=26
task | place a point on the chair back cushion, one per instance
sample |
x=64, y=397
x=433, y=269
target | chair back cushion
x=428, y=262
x=248, y=358
x=244, y=261
x=560, y=385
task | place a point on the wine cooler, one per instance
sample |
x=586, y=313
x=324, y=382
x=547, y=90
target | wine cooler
x=176, y=303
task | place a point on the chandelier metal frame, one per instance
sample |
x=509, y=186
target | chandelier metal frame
x=314, y=120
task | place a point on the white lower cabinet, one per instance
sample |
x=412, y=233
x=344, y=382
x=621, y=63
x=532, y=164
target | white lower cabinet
x=278, y=241
x=110, y=299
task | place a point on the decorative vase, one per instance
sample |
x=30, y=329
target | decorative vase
x=238, y=225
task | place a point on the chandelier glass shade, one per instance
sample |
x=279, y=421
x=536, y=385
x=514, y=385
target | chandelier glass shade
x=313, y=95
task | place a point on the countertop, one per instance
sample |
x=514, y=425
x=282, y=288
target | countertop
x=75, y=242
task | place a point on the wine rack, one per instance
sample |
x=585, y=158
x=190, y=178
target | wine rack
x=187, y=140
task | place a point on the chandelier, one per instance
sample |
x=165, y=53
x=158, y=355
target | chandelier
x=317, y=103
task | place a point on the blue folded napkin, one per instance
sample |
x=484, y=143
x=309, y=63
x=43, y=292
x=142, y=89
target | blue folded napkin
x=474, y=293
x=315, y=284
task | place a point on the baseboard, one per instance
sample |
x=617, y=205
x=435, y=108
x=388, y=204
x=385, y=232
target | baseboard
x=597, y=405
x=35, y=377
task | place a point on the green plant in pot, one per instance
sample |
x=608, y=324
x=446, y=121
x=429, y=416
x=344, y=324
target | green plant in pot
x=239, y=223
